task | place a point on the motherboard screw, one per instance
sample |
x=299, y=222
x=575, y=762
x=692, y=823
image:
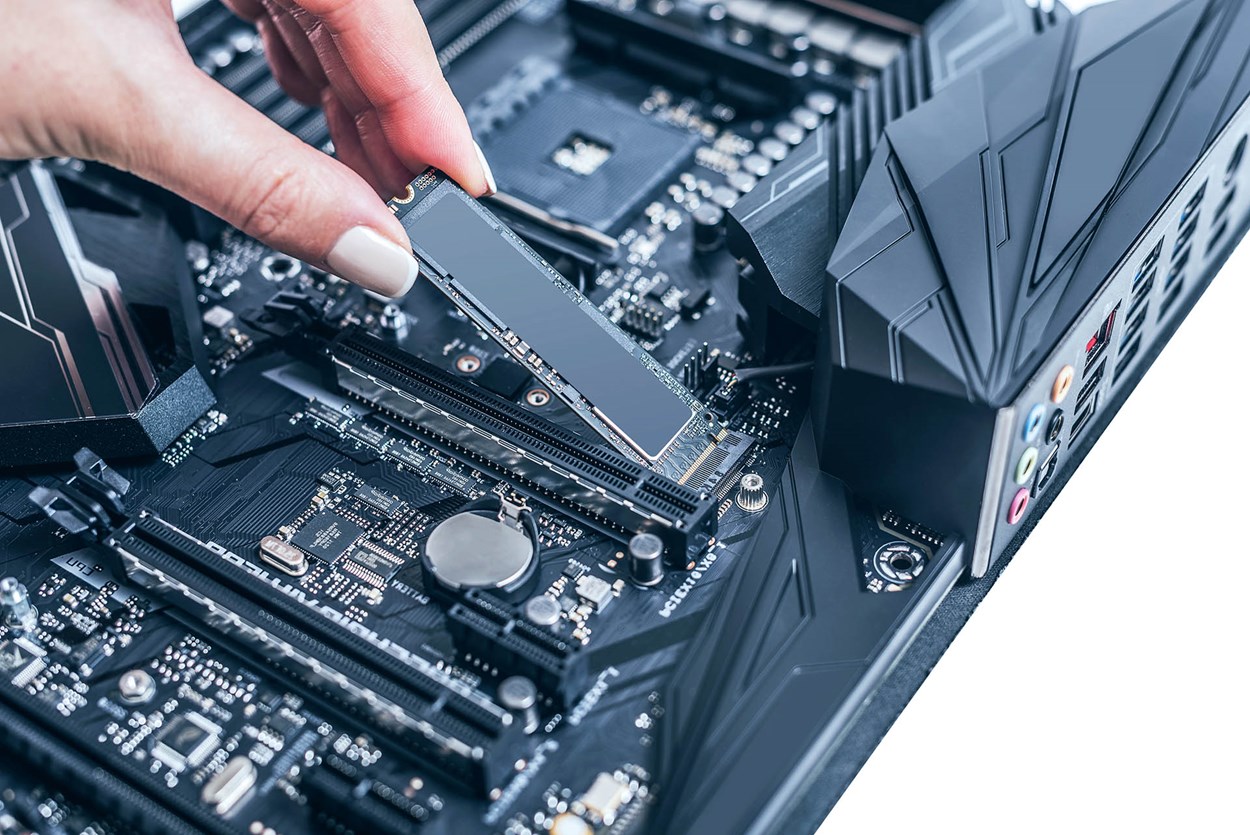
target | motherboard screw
x=136, y=687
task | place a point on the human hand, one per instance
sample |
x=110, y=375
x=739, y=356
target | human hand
x=110, y=80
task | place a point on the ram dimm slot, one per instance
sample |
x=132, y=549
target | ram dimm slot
x=586, y=478
x=466, y=741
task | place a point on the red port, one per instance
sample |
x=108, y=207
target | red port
x=1018, y=505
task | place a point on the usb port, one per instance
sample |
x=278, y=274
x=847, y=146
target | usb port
x=1136, y=323
x=1083, y=419
x=1178, y=266
x=1141, y=292
x=1148, y=266
x=1187, y=235
x=1098, y=343
x=1091, y=385
x=1193, y=205
x=1217, y=237
x=1225, y=204
x=1170, y=299
x=1127, y=354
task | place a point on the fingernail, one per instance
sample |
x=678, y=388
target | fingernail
x=491, y=188
x=375, y=263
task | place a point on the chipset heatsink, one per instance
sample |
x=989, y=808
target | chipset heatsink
x=585, y=157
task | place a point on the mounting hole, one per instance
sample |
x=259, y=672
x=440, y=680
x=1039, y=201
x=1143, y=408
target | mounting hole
x=468, y=364
x=537, y=398
x=407, y=197
x=899, y=564
x=280, y=267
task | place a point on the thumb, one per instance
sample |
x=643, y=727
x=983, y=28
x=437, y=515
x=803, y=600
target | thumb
x=202, y=142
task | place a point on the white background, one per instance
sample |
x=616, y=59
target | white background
x=1103, y=684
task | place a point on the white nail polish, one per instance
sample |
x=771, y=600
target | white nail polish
x=491, y=188
x=374, y=262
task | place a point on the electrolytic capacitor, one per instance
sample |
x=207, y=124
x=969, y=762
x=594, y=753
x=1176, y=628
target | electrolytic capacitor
x=709, y=227
x=519, y=695
x=646, y=559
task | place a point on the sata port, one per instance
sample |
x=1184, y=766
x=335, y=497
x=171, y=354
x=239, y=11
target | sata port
x=1092, y=382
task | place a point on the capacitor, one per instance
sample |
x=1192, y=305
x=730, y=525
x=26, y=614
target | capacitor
x=822, y=102
x=725, y=197
x=751, y=494
x=543, y=610
x=18, y=613
x=757, y=165
x=742, y=181
x=774, y=149
x=805, y=117
x=646, y=559
x=709, y=227
x=519, y=695
x=789, y=133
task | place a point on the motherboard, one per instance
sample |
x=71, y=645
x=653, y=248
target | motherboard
x=557, y=543
x=420, y=567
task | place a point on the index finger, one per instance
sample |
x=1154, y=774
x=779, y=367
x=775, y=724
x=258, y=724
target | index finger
x=387, y=50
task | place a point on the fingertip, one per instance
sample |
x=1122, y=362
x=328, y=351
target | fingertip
x=488, y=176
x=366, y=257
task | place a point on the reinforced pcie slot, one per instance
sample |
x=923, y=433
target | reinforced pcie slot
x=441, y=720
x=40, y=748
x=587, y=479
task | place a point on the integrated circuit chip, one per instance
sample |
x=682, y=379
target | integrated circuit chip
x=186, y=741
x=586, y=158
x=327, y=536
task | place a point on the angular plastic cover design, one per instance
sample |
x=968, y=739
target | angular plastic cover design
x=990, y=215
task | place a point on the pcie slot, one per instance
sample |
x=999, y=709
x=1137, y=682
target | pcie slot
x=441, y=720
x=587, y=479
x=492, y=632
x=41, y=749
